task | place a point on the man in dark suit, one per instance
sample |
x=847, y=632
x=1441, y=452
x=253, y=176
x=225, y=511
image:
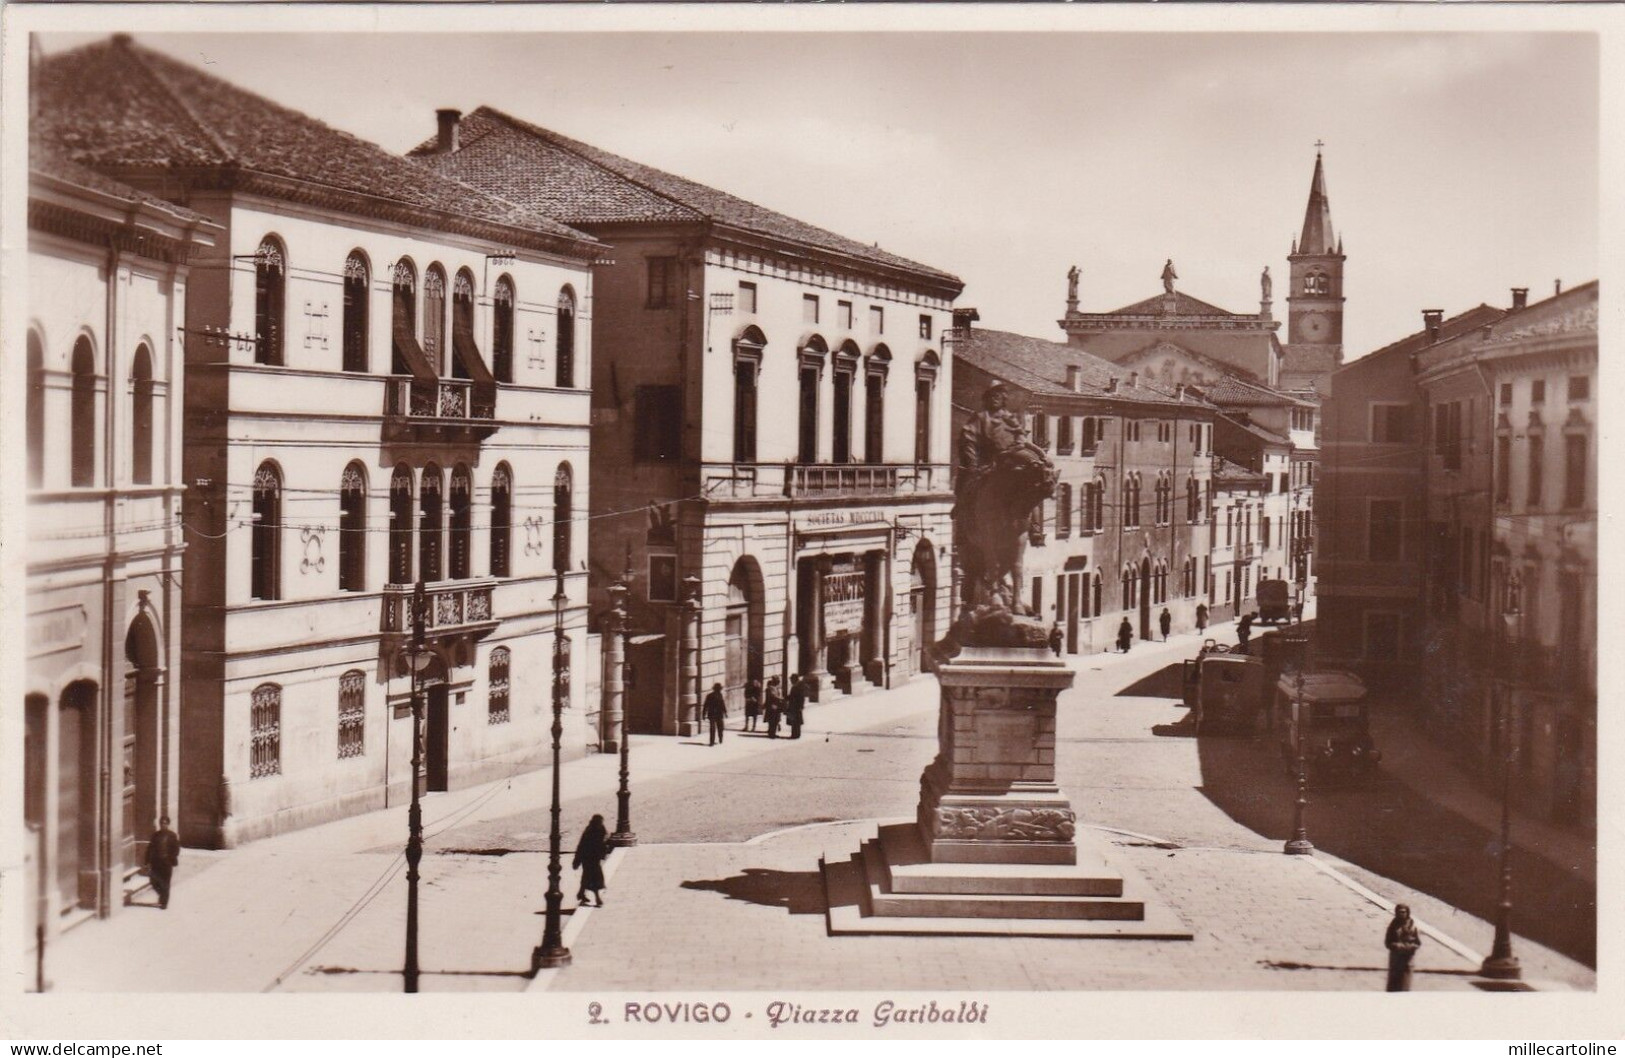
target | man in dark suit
x=163, y=853
x=716, y=711
x=795, y=707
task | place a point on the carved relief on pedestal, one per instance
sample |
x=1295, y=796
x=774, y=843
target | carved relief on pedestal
x=990, y=823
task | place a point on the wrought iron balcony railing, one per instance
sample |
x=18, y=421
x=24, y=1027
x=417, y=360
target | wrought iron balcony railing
x=454, y=607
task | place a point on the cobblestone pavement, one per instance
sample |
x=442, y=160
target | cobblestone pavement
x=724, y=886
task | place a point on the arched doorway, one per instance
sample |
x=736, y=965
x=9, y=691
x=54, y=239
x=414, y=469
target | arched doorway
x=141, y=747
x=743, y=630
x=436, y=727
x=922, y=600
x=76, y=796
x=1145, y=600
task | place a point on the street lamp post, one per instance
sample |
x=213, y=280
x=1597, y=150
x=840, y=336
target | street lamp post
x=616, y=682
x=552, y=952
x=1299, y=845
x=1501, y=964
x=417, y=656
x=688, y=692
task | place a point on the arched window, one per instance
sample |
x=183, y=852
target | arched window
x=874, y=404
x=561, y=518
x=270, y=282
x=1095, y=610
x=747, y=366
x=352, y=714
x=497, y=687
x=84, y=414
x=265, y=731
x=501, y=519
x=400, y=526
x=353, y=529
x=36, y=411
x=404, y=300
x=431, y=521
x=357, y=281
x=265, y=542
x=564, y=349
x=434, y=317
x=502, y=330
x=462, y=318
x=141, y=435
x=462, y=523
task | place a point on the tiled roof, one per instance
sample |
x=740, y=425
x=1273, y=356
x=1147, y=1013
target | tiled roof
x=45, y=160
x=117, y=106
x=1040, y=367
x=1226, y=471
x=1573, y=312
x=1232, y=390
x=1267, y=436
x=1183, y=305
x=1456, y=326
x=584, y=185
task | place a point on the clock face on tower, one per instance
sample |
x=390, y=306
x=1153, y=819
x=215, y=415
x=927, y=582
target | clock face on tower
x=1315, y=327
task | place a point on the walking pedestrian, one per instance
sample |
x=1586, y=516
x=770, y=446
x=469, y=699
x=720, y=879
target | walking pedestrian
x=1167, y=622
x=716, y=711
x=753, y=703
x=1055, y=638
x=1125, y=636
x=775, y=705
x=795, y=707
x=591, y=851
x=1403, y=939
x=1201, y=617
x=1244, y=630
x=163, y=853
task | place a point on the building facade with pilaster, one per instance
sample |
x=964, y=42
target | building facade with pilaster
x=770, y=426
x=362, y=413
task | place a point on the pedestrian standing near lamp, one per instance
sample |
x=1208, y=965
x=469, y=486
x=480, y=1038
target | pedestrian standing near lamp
x=1055, y=638
x=591, y=851
x=795, y=707
x=753, y=703
x=716, y=711
x=1201, y=617
x=1403, y=939
x=163, y=853
x=1167, y=622
x=775, y=706
x=1125, y=636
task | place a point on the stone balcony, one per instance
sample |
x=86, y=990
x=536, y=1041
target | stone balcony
x=822, y=480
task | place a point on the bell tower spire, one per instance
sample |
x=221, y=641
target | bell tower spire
x=1315, y=298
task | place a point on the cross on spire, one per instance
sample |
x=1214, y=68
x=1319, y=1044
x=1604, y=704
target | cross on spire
x=1318, y=145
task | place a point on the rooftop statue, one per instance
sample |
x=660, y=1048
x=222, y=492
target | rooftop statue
x=1168, y=277
x=1072, y=284
x=1002, y=477
x=1266, y=283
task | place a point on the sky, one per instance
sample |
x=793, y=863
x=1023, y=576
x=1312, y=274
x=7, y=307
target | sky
x=1458, y=165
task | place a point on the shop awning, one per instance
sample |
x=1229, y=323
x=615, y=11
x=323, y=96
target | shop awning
x=407, y=349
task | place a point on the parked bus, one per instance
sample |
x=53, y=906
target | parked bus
x=1330, y=716
x=1224, y=689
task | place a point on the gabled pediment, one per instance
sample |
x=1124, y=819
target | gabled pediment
x=1169, y=363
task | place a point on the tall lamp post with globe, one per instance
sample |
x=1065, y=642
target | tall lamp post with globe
x=1501, y=964
x=552, y=952
x=616, y=679
x=418, y=658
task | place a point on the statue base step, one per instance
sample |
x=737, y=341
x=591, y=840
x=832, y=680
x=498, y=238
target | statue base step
x=891, y=887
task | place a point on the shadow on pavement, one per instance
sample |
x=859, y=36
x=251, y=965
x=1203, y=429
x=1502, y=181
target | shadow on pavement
x=1386, y=827
x=1166, y=682
x=798, y=892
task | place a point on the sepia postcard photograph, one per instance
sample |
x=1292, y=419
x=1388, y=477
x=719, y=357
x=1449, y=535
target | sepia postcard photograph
x=1113, y=493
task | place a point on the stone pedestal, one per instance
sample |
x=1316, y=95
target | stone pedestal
x=990, y=796
x=994, y=849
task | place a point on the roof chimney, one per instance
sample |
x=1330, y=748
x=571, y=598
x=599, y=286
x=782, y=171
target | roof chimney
x=123, y=39
x=1557, y=287
x=449, y=121
x=963, y=318
x=1520, y=298
x=1074, y=378
x=1179, y=391
x=1111, y=384
x=1432, y=319
x=1134, y=378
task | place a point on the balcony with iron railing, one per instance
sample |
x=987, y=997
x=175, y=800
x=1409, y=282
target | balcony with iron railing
x=455, y=608
x=802, y=481
x=446, y=408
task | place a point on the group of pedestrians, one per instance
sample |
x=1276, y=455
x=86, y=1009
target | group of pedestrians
x=770, y=704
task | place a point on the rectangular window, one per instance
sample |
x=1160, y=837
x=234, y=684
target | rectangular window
x=842, y=414
x=662, y=578
x=496, y=702
x=808, y=448
x=1390, y=423
x=1579, y=388
x=1506, y=394
x=1503, y=469
x=925, y=327
x=657, y=427
x=809, y=308
x=352, y=715
x=1537, y=391
x=1384, y=530
x=1264, y=532
x=662, y=281
x=1063, y=435
x=744, y=411
x=1574, y=470
x=1041, y=430
x=265, y=732
x=922, y=420
x=843, y=315
x=874, y=417
x=877, y=320
x=747, y=298
x=1537, y=459
x=1038, y=595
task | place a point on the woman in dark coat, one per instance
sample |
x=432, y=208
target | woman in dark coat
x=591, y=851
x=1125, y=636
x=753, y=703
x=795, y=706
x=775, y=706
x=1403, y=940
